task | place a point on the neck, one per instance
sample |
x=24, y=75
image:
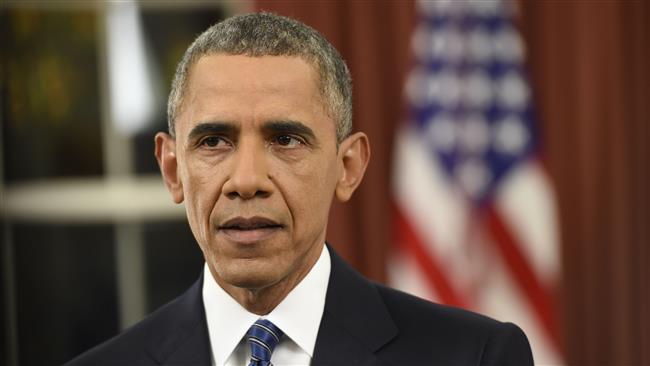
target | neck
x=262, y=301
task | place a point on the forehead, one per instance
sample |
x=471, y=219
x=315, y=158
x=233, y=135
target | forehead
x=234, y=86
x=251, y=71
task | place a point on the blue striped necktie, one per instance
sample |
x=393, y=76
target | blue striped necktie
x=263, y=336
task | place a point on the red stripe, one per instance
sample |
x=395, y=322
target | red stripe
x=409, y=240
x=539, y=297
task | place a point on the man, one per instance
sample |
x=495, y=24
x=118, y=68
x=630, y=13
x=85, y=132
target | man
x=259, y=143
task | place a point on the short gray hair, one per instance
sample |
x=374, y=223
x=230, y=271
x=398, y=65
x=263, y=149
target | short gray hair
x=266, y=34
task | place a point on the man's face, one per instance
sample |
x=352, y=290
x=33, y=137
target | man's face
x=257, y=166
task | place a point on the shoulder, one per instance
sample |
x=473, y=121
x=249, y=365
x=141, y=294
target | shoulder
x=406, y=330
x=154, y=338
x=478, y=339
x=412, y=312
x=128, y=347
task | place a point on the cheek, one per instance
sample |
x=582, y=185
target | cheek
x=310, y=191
x=201, y=188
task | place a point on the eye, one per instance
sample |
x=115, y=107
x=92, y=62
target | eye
x=287, y=141
x=212, y=142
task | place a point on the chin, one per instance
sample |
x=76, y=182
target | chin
x=252, y=276
x=249, y=281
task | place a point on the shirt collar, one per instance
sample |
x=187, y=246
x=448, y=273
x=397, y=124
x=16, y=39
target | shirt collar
x=298, y=315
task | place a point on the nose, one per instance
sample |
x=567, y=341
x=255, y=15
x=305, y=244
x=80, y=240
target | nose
x=249, y=172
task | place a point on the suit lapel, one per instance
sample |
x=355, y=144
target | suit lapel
x=182, y=338
x=355, y=322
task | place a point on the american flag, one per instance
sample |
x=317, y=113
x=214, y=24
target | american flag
x=475, y=210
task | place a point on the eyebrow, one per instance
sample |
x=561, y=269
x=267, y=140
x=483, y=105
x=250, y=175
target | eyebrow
x=268, y=128
x=209, y=128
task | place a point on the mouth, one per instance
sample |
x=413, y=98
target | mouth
x=249, y=230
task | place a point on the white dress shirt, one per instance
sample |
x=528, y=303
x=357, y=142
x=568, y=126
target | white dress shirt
x=298, y=316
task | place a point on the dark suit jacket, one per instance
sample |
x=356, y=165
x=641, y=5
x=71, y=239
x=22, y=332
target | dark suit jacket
x=363, y=324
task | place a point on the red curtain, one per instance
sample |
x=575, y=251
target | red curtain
x=589, y=62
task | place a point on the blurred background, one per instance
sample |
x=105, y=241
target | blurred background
x=509, y=172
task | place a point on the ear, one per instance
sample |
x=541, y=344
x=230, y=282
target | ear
x=166, y=156
x=354, y=154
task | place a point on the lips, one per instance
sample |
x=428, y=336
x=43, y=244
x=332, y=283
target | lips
x=253, y=223
x=248, y=230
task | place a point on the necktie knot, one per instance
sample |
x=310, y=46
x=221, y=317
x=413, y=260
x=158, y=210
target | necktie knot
x=263, y=336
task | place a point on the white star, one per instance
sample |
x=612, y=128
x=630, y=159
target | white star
x=421, y=42
x=510, y=135
x=473, y=176
x=508, y=45
x=442, y=132
x=444, y=88
x=513, y=93
x=475, y=134
x=448, y=44
x=479, y=45
x=477, y=89
x=417, y=85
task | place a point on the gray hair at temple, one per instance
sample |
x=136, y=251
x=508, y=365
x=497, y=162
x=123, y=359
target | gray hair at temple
x=266, y=34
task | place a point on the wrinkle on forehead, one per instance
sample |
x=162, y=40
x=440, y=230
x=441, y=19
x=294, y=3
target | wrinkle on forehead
x=207, y=86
